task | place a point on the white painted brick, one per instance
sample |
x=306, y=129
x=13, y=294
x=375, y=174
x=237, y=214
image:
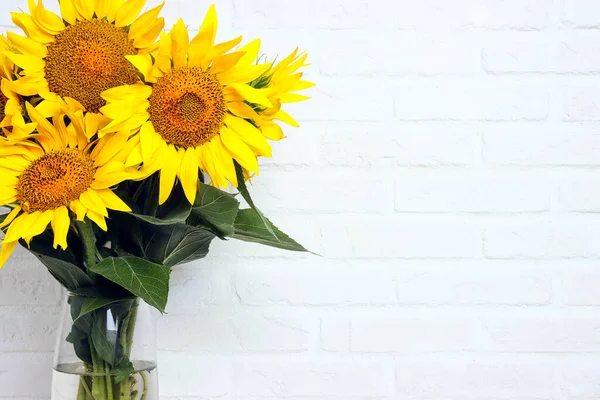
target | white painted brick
x=580, y=379
x=512, y=14
x=415, y=53
x=554, y=333
x=467, y=191
x=233, y=333
x=301, y=147
x=575, y=193
x=578, y=286
x=192, y=375
x=532, y=144
x=384, y=145
x=310, y=379
x=414, y=335
x=25, y=375
x=471, y=284
x=345, y=191
x=580, y=103
x=371, y=101
x=543, y=240
x=581, y=14
x=24, y=281
x=202, y=283
x=476, y=379
x=461, y=102
x=395, y=238
x=335, y=335
x=314, y=282
x=16, y=333
x=567, y=53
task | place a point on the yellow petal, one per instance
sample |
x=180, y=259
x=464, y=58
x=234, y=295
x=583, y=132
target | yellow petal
x=148, y=38
x=179, y=44
x=251, y=94
x=149, y=141
x=112, y=201
x=27, y=46
x=85, y=8
x=113, y=6
x=240, y=151
x=79, y=210
x=98, y=219
x=10, y=217
x=168, y=172
x=250, y=135
x=139, y=27
x=6, y=251
x=60, y=227
x=31, y=29
x=39, y=223
x=226, y=62
x=188, y=174
x=47, y=20
x=68, y=11
x=93, y=202
x=242, y=110
x=128, y=11
x=113, y=145
x=272, y=132
x=251, y=51
x=27, y=62
x=203, y=41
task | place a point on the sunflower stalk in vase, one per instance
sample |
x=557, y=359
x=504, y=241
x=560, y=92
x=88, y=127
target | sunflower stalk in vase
x=119, y=143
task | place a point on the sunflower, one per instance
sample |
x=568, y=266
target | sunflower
x=281, y=82
x=12, y=122
x=192, y=112
x=60, y=171
x=80, y=53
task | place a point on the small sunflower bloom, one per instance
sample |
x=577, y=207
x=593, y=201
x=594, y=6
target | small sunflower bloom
x=281, y=82
x=62, y=171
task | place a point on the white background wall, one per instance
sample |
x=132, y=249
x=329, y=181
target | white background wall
x=447, y=170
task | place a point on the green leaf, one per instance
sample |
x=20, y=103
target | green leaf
x=81, y=344
x=250, y=227
x=69, y=275
x=104, y=340
x=143, y=278
x=175, y=244
x=266, y=224
x=176, y=210
x=91, y=304
x=216, y=208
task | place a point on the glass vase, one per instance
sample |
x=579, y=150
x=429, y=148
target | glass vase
x=105, y=350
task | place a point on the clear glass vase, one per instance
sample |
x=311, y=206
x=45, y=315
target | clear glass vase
x=105, y=350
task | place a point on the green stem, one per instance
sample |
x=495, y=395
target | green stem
x=88, y=239
x=145, y=388
x=86, y=393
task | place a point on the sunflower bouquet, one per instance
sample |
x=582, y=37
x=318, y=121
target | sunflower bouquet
x=118, y=144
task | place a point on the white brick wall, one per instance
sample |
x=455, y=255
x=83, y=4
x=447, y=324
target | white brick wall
x=446, y=170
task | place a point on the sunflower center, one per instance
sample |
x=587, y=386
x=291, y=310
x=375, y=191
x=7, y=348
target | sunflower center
x=54, y=180
x=3, y=101
x=187, y=107
x=88, y=58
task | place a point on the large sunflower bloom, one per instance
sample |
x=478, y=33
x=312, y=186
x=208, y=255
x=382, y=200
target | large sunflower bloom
x=80, y=53
x=192, y=112
x=12, y=123
x=60, y=171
